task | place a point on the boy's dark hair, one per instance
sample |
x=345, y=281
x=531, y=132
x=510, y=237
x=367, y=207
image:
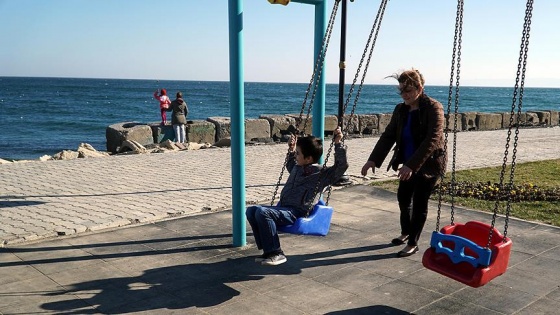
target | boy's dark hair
x=311, y=146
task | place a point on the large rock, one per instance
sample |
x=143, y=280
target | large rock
x=116, y=134
x=66, y=155
x=554, y=118
x=452, y=119
x=132, y=146
x=162, y=133
x=468, y=121
x=85, y=150
x=488, y=121
x=383, y=120
x=223, y=127
x=279, y=125
x=544, y=117
x=201, y=131
x=369, y=124
x=256, y=129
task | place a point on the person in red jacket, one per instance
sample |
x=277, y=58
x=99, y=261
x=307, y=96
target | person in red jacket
x=164, y=103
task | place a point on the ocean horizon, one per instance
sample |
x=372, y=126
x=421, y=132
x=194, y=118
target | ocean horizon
x=43, y=115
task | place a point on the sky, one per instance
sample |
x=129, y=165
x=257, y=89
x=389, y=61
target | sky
x=188, y=40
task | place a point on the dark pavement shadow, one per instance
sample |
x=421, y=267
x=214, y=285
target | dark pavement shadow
x=191, y=285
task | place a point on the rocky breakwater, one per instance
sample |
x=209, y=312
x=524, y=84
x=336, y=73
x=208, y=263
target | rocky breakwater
x=216, y=131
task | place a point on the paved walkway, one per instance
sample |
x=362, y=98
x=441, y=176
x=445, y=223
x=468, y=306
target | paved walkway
x=53, y=263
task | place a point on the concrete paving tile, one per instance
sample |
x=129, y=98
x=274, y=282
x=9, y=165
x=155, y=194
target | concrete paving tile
x=359, y=306
x=155, y=305
x=401, y=295
x=553, y=253
x=95, y=277
x=542, y=266
x=554, y=295
x=31, y=295
x=528, y=282
x=53, y=259
x=432, y=281
x=309, y=295
x=353, y=280
x=496, y=297
x=13, y=269
x=393, y=267
x=449, y=305
x=253, y=304
x=543, y=306
x=534, y=242
x=517, y=257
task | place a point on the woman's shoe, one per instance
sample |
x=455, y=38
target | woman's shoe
x=406, y=253
x=399, y=240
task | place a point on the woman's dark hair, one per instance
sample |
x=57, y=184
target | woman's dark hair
x=311, y=146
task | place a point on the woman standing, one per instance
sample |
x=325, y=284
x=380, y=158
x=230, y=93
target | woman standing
x=416, y=130
x=179, y=117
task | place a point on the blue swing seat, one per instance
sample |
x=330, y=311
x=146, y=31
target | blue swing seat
x=317, y=223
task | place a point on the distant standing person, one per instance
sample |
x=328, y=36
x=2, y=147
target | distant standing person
x=179, y=117
x=416, y=130
x=164, y=103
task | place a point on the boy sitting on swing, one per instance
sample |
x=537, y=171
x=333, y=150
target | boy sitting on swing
x=298, y=194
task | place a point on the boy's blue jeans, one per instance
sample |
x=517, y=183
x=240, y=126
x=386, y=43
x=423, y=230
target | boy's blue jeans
x=263, y=221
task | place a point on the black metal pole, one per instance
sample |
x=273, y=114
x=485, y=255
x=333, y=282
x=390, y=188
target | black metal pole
x=344, y=180
x=342, y=63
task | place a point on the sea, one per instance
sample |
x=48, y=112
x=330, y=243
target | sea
x=43, y=116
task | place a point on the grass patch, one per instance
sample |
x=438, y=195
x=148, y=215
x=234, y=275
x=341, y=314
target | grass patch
x=535, y=195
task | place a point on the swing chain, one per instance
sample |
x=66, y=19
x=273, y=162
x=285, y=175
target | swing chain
x=373, y=34
x=456, y=59
x=314, y=78
x=374, y=30
x=519, y=86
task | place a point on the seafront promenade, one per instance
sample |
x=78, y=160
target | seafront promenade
x=152, y=234
x=48, y=199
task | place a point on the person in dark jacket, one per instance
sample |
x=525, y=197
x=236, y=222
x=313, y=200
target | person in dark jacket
x=298, y=195
x=416, y=130
x=179, y=117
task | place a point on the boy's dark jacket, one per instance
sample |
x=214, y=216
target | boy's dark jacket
x=428, y=159
x=298, y=192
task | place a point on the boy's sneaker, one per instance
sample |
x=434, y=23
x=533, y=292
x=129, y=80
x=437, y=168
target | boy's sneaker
x=274, y=260
x=260, y=258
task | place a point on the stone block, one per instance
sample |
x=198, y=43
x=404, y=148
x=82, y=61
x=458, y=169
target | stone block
x=451, y=121
x=116, y=134
x=162, y=133
x=488, y=121
x=351, y=124
x=468, y=121
x=257, y=129
x=383, y=120
x=544, y=117
x=331, y=123
x=200, y=131
x=554, y=118
x=222, y=127
x=279, y=125
x=529, y=119
x=368, y=124
x=304, y=122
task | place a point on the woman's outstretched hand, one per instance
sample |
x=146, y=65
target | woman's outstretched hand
x=367, y=166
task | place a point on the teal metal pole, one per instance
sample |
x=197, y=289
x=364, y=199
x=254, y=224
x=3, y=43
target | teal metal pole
x=319, y=104
x=237, y=110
